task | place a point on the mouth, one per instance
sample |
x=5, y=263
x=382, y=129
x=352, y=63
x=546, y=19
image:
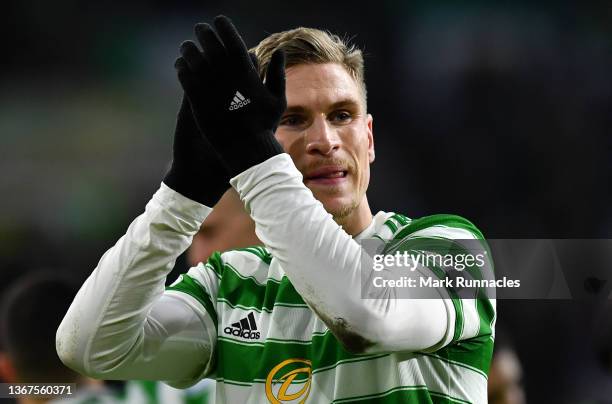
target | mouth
x=330, y=175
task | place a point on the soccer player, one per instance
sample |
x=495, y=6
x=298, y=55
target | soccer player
x=288, y=128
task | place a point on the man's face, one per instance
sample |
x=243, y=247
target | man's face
x=328, y=134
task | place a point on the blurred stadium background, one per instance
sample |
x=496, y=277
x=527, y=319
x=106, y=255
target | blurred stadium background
x=501, y=113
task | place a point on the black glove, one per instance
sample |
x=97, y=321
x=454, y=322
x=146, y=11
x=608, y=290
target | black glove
x=235, y=110
x=197, y=172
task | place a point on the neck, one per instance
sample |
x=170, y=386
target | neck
x=358, y=220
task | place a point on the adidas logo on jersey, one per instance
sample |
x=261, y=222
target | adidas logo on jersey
x=245, y=328
x=238, y=101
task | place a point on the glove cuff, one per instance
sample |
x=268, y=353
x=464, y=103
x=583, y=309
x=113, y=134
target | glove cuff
x=248, y=154
x=207, y=192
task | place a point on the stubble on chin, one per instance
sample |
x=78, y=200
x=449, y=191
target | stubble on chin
x=342, y=213
x=339, y=213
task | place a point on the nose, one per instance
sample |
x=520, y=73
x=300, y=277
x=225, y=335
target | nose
x=321, y=138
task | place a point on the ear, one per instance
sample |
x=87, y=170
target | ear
x=7, y=371
x=369, y=124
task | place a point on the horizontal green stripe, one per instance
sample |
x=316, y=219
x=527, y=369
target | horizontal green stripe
x=193, y=288
x=258, y=251
x=246, y=342
x=474, y=353
x=262, y=309
x=246, y=292
x=325, y=352
x=237, y=274
x=239, y=306
x=457, y=363
x=439, y=220
x=401, y=219
x=439, y=398
x=389, y=223
x=353, y=360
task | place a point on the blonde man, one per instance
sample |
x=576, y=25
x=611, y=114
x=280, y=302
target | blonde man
x=288, y=128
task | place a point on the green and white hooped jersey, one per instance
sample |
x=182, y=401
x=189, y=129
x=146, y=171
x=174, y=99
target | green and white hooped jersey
x=272, y=348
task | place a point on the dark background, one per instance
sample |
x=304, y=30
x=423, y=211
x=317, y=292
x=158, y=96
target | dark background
x=497, y=112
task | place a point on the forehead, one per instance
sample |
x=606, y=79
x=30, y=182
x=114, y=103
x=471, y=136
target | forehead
x=317, y=85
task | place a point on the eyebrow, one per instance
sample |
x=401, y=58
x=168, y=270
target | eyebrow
x=346, y=102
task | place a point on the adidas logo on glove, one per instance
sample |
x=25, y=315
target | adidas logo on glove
x=245, y=328
x=239, y=101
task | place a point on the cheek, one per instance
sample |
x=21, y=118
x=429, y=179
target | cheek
x=363, y=172
x=290, y=143
x=281, y=138
x=359, y=148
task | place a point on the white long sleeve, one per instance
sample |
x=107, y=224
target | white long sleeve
x=121, y=325
x=323, y=263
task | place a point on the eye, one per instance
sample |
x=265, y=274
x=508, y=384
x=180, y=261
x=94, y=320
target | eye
x=341, y=116
x=292, y=120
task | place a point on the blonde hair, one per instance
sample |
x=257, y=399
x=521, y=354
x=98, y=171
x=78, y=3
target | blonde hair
x=312, y=46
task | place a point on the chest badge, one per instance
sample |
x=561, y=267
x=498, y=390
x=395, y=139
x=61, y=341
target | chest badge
x=281, y=383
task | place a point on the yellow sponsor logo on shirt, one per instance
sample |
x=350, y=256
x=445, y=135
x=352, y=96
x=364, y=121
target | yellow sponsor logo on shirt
x=285, y=373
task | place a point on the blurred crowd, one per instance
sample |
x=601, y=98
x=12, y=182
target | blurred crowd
x=498, y=113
